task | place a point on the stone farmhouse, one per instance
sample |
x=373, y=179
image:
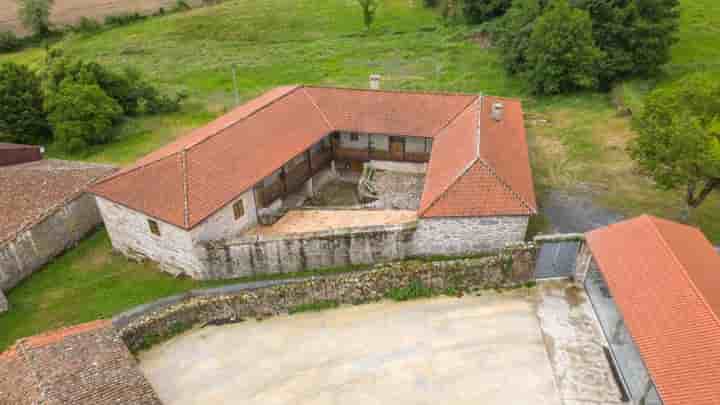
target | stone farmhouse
x=199, y=205
x=44, y=209
x=653, y=285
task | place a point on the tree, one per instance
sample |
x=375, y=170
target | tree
x=22, y=119
x=81, y=115
x=562, y=55
x=369, y=8
x=679, y=138
x=478, y=11
x=35, y=16
x=636, y=35
x=513, y=33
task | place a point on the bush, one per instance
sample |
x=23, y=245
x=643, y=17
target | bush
x=9, y=42
x=22, y=119
x=562, y=55
x=123, y=19
x=81, y=114
x=35, y=16
x=88, y=26
x=478, y=11
x=513, y=33
x=416, y=289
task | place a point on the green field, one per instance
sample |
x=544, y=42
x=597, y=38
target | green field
x=276, y=42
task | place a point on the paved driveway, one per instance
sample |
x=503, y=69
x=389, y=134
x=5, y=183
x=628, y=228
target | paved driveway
x=476, y=350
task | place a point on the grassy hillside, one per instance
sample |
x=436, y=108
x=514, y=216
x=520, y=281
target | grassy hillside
x=274, y=42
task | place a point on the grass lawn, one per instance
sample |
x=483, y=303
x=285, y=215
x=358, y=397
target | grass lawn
x=275, y=42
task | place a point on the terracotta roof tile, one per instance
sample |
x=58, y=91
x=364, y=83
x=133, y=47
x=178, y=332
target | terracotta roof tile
x=188, y=180
x=503, y=145
x=477, y=193
x=664, y=278
x=389, y=112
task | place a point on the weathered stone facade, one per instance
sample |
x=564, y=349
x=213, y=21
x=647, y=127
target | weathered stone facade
x=510, y=268
x=303, y=251
x=467, y=235
x=35, y=246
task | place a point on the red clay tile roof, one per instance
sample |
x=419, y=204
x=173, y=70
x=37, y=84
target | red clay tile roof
x=190, y=179
x=480, y=166
x=665, y=279
x=82, y=364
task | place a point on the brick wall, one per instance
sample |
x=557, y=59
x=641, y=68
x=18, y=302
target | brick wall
x=459, y=236
x=35, y=246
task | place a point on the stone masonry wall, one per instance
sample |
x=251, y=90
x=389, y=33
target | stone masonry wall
x=303, y=251
x=467, y=235
x=130, y=234
x=509, y=268
x=37, y=245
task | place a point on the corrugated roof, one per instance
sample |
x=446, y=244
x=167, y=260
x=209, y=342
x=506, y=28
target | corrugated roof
x=188, y=180
x=665, y=279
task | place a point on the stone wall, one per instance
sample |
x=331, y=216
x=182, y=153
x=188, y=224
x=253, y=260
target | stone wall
x=38, y=244
x=130, y=234
x=510, y=268
x=303, y=251
x=467, y=235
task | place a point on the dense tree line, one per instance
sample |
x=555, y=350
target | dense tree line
x=72, y=103
x=566, y=45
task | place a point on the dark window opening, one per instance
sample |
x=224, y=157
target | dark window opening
x=154, y=228
x=239, y=209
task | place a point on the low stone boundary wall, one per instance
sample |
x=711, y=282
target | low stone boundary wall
x=509, y=268
x=310, y=250
x=38, y=244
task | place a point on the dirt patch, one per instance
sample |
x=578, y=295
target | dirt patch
x=335, y=194
x=483, y=39
x=69, y=12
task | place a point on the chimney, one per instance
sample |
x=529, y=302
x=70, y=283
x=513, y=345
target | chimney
x=375, y=82
x=497, y=111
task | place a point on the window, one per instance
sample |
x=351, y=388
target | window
x=239, y=209
x=154, y=228
x=354, y=137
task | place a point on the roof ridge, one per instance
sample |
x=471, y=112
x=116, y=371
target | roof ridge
x=685, y=273
x=427, y=92
x=504, y=183
x=478, y=102
x=186, y=187
x=455, y=117
x=317, y=107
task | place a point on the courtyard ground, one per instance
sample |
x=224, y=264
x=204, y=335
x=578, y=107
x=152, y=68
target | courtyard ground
x=487, y=349
x=309, y=220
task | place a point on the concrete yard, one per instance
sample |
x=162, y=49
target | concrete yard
x=490, y=350
x=301, y=221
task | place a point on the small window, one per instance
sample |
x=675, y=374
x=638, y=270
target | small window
x=239, y=209
x=154, y=228
x=354, y=137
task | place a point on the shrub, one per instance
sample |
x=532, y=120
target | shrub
x=9, y=42
x=88, y=26
x=22, y=119
x=81, y=114
x=562, y=55
x=123, y=19
x=513, y=33
x=416, y=289
x=35, y=16
x=181, y=5
x=478, y=11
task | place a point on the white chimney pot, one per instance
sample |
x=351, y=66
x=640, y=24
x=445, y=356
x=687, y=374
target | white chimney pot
x=375, y=82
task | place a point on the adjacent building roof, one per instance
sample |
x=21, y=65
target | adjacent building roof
x=13, y=153
x=32, y=191
x=83, y=364
x=665, y=279
x=188, y=180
